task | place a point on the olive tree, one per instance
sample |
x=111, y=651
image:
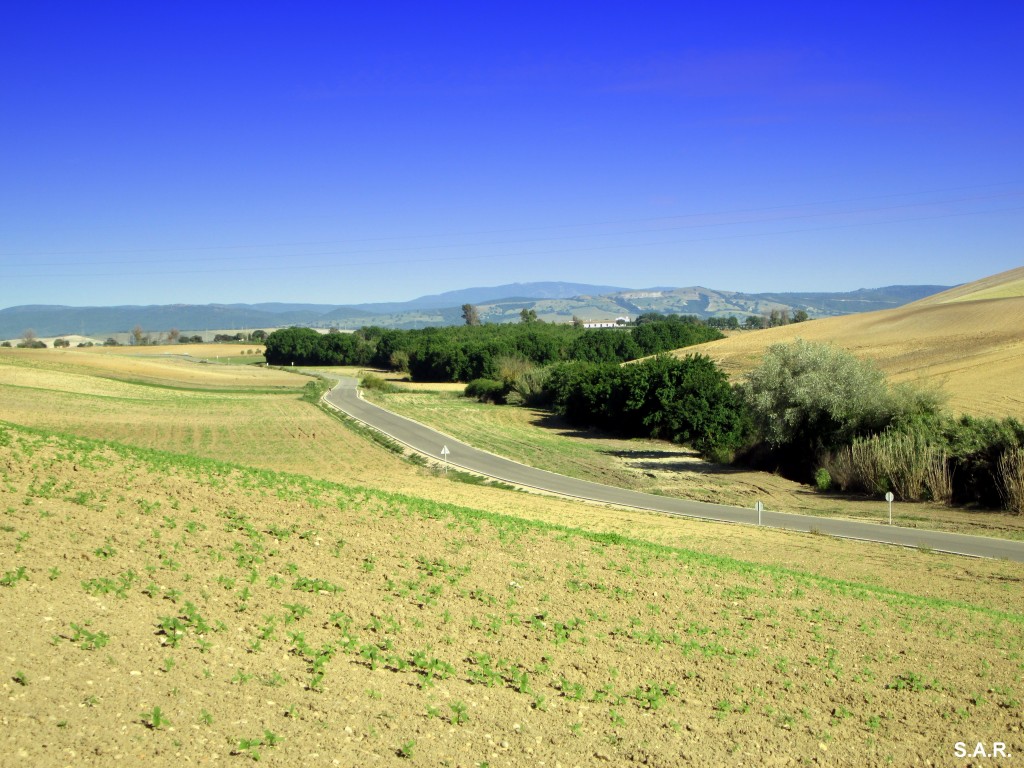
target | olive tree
x=815, y=395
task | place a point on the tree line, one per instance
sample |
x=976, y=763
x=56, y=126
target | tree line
x=465, y=353
x=685, y=400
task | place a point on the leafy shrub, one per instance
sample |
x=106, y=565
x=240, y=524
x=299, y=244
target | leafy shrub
x=805, y=393
x=399, y=361
x=508, y=368
x=686, y=401
x=839, y=465
x=1011, y=480
x=486, y=390
x=807, y=399
x=531, y=387
x=822, y=479
x=376, y=383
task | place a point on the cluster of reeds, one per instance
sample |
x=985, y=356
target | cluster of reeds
x=910, y=466
x=1011, y=480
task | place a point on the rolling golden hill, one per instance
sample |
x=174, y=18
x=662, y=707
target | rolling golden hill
x=967, y=341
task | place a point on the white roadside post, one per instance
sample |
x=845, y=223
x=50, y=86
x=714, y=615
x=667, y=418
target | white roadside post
x=444, y=455
x=889, y=497
x=759, y=506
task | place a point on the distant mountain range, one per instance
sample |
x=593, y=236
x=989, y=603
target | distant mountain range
x=552, y=301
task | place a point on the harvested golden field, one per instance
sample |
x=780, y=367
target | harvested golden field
x=969, y=346
x=1004, y=285
x=165, y=609
x=171, y=366
x=251, y=415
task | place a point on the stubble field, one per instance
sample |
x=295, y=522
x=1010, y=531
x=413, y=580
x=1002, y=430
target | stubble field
x=166, y=608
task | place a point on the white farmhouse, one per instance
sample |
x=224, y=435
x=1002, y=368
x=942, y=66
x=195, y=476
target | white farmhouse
x=618, y=322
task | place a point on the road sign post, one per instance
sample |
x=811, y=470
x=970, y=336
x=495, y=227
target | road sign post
x=759, y=506
x=444, y=455
x=889, y=497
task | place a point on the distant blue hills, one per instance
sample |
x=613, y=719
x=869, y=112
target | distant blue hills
x=552, y=301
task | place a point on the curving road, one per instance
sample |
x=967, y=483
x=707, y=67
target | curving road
x=422, y=439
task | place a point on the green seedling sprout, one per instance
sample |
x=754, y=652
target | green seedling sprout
x=154, y=719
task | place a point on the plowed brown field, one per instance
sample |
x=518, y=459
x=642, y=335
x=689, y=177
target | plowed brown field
x=163, y=610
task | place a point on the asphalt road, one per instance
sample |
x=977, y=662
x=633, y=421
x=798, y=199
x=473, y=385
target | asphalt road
x=345, y=397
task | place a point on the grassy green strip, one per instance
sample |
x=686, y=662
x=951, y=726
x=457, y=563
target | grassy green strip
x=210, y=390
x=394, y=446
x=370, y=434
x=315, y=390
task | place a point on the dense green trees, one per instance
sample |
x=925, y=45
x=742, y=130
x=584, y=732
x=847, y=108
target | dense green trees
x=686, y=401
x=818, y=410
x=807, y=398
x=731, y=323
x=293, y=346
x=304, y=346
x=464, y=353
x=528, y=315
x=814, y=396
x=344, y=349
x=673, y=333
x=604, y=346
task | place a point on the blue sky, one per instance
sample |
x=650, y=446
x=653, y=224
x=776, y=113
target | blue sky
x=341, y=153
